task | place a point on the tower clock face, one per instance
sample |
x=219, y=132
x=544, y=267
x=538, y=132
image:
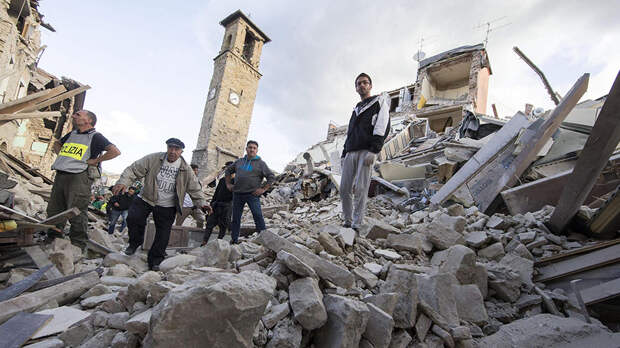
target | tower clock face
x=234, y=98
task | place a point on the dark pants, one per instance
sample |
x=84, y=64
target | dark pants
x=72, y=190
x=136, y=221
x=220, y=218
x=239, y=201
x=114, y=215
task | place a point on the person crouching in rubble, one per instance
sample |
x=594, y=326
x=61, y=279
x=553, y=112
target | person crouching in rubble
x=250, y=170
x=77, y=165
x=167, y=177
x=368, y=127
x=219, y=209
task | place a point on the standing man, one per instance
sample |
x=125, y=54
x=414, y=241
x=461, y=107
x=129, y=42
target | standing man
x=368, y=127
x=250, y=170
x=167, y=177
x=119, y=206
x=189, y=208
x=219, y=209
x=78, y=163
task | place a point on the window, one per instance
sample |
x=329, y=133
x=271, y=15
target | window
x=248, y=45
x=393, y=103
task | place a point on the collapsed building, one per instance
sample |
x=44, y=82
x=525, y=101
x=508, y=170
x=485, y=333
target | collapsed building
x=35, y=106
x=465, y=243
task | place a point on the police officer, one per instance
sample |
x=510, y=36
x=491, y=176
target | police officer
x=80, y=153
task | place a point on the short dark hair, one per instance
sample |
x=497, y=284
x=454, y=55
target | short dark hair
x=131, y=188
x=228, y=163
x=363, y=75
x=252, y=142
x=194, y=166
x=92, y=116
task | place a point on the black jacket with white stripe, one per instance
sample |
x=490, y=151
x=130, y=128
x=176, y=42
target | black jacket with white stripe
x=369, y=125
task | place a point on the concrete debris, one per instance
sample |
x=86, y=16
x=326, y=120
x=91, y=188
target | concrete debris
x=230, y=307
x=455, y=274
x=346, y=322
x=307, y=303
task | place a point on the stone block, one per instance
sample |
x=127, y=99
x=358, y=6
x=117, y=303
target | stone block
x=405, y=283
x=176, y=261
x=470, y=304
x=307, y=303
x=437, y=291
x=330, y=244
x=228, y=308
x=346, y=321
x=296, y=265
x=379, y=327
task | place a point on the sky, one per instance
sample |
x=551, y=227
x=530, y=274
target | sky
x=150, y=63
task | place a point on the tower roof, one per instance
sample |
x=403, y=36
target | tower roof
x=238, y=14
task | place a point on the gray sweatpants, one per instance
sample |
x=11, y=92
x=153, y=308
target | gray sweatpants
x=355, y=182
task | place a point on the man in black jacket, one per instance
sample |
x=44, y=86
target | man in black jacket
x=119, y=206
x=368, y=127
x=219, y=209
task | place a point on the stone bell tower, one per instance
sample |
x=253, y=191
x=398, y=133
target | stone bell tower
x=230, y=100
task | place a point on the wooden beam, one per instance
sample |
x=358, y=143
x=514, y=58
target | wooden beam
x=19, y=215
x=580, y=263
x=57, y=99
x=577, y=251
x=61, y=217
x=22, y=285
x=18, y=330
x=606, y=221
x=505, y=169
x=540, y=74
x=30, y=99
x=61, y=293
x=47, y=283
x=601, y=143
x=40, y=259
x=534, y=195
x=601, y=292
x=25, y=115
x=502, y=138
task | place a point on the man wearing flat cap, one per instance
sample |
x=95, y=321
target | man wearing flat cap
x=167, y=177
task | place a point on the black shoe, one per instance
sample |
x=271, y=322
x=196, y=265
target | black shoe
x=154, y=268
x=130, y=250
x=346, y=224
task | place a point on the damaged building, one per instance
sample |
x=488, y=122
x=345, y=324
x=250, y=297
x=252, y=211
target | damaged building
x=35, y=106
x=480, y=232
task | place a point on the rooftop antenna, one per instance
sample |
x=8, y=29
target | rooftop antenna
x=418, y=56
x=489, y=28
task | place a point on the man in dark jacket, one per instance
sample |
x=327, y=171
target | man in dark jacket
x=248, y=187
x=219, y=210
x=368, y=127
x=119, y=206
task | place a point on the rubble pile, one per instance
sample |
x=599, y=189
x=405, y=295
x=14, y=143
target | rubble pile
x=453, y=277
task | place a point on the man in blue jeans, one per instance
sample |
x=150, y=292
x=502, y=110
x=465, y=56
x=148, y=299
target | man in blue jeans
x=250, y=171
x=119, y=206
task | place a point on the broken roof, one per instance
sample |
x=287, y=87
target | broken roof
x=450, y=53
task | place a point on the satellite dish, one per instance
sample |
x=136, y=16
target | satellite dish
x=419, y=56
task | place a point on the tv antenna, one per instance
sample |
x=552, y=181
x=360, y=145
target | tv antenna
x=490, y=28
x=418, y=56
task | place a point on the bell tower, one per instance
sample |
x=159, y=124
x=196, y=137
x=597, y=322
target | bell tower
x=230, y=99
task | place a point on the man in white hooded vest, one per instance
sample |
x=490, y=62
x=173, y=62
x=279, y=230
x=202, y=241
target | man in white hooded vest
x=80, y=153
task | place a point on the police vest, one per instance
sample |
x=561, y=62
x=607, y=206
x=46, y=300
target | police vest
x=74, y=153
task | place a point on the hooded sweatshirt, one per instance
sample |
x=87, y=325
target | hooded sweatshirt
x=249, y=174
